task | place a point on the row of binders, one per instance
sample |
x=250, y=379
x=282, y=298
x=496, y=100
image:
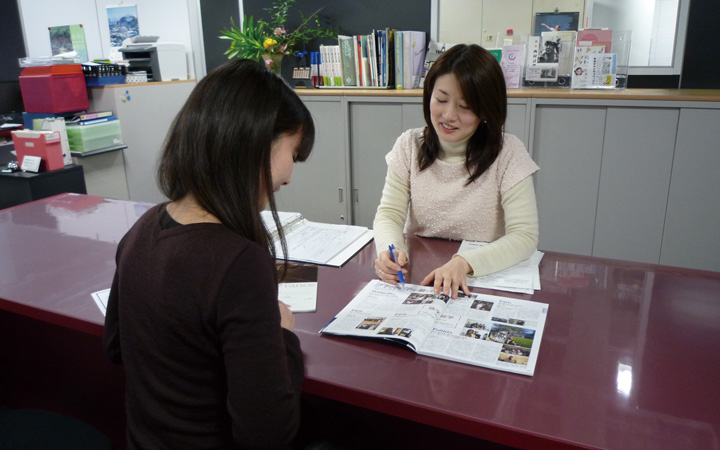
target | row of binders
x=382, y=59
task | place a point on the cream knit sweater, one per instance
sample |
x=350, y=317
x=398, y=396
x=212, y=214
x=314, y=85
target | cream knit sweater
x=499, y=207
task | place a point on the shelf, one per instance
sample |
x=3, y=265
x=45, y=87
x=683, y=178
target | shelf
x=98, y=151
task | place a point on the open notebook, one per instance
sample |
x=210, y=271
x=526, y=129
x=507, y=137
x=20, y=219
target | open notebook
x=317, y=243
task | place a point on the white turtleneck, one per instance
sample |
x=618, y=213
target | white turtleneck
x=519, y=211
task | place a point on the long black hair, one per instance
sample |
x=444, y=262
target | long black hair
x=218, y=147
x=483, y=87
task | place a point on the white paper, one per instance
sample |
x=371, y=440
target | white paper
x=101, y=299
x=300, y=297
x=523, y=277
x=318, y=243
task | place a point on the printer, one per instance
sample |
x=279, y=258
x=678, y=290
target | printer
x=162, y=61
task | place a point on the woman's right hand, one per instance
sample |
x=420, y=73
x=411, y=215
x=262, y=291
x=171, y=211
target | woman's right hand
x=387, y=270
x=287, y=319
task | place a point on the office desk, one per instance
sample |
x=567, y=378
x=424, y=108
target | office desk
x=22, y=187
x=628, y=357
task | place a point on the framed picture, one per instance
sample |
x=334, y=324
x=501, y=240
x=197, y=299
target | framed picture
x=123, y=23
x=552, y=21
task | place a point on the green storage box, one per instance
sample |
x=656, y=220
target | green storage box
x=86, y=138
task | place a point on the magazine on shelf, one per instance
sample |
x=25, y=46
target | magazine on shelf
x=483, y=330
x=315, y=242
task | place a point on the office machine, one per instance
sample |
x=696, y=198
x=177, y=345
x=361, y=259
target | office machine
x=162, y=61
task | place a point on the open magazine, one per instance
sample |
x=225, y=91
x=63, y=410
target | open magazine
x=483, y=330
x=317, y=243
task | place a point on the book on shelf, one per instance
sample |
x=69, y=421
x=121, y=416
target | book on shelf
x=407, y=60
x=314, y=242
x=383, y=59
x=94, y=121
x=347, y=55
x=489, y=331
x=330, y=70
x=416, y=53
x=90, y=116
x=390, y=45
x=434, y=50
x=399, y=63
x=373, y=59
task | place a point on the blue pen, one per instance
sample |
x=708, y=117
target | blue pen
x=391, y=247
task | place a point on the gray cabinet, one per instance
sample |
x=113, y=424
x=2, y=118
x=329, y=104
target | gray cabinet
x=374, y=128
x=634, y=182
x=567, y=145
x=604, y=178
x=145, y=112
x=692, y=226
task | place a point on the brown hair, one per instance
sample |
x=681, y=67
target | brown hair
x=483, y=87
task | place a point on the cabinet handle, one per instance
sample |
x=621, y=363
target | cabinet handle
x=357, y=197
x=340, y=192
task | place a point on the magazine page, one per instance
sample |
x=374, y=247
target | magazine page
x=382, y=310
x=489, y=331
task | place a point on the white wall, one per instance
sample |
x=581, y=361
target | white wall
x=636, y=16
x=474, y=21
x=172, y=20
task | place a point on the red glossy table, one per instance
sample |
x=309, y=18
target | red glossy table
x=628, y=357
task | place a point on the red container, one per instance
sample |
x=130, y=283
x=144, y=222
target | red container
x=54, y=89
x=46, y=145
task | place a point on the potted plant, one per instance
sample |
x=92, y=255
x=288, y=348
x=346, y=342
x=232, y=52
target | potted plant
x=270, y=41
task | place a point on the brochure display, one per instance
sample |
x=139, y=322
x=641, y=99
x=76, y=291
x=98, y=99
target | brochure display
x=549, y=59
x=601, y=59
x=483, y=330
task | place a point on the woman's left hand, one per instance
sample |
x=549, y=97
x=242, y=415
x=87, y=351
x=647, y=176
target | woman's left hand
x=450, y=277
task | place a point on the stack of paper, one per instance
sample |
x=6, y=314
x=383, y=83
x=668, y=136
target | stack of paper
x=523, y=277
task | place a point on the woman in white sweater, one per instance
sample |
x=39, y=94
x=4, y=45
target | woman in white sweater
x=460, y=177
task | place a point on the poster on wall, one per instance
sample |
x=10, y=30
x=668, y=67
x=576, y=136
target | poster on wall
x=68, y=38
x=551, y=21
x=123, y=23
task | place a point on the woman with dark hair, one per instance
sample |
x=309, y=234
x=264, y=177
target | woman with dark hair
x=210, y=357
x=460, y=177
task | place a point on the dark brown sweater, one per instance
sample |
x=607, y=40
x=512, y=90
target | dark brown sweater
x=194, y=319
